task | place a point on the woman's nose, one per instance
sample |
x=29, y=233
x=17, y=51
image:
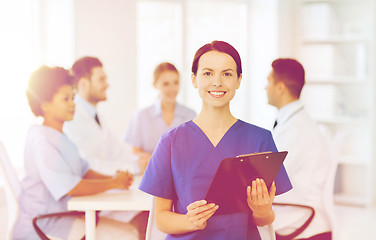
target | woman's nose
x=217, y=81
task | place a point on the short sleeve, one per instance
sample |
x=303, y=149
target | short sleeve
x=133, y=133
x=158, y=177
x=55, y=173
x=85, y=166
x=282, y=181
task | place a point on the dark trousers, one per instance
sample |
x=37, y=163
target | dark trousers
x=140, y=221
x=321, y=236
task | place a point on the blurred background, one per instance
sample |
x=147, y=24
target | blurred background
x=334, y=40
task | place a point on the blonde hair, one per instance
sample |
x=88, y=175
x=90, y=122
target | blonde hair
x=163, y=67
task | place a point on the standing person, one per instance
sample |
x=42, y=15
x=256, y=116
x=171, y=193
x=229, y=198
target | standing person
x=54, y=170
x=186, y=158
x=95, y=141
x=148, y=124
x=308, y=162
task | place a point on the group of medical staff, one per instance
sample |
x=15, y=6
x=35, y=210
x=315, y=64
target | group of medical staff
x=75, y=153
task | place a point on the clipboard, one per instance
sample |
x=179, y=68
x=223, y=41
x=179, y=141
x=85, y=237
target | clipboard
x=228, y=188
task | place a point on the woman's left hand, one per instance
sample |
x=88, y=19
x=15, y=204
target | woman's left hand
x=124, y=178
x=260, y=200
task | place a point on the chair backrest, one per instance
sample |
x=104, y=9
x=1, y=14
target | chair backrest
x=329, y=182
x=12, y=187
x=267, y=232
x=153, y=233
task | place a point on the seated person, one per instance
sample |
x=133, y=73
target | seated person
x=94, y=139
x=54, y=170
x=308, y=163
x=148, y=124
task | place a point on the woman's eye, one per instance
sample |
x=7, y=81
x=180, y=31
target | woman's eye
x=227, y=74
x=207, y=73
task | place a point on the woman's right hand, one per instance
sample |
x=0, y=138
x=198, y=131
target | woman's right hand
x=199, y=212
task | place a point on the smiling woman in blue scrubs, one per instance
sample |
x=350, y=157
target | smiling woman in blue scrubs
x=187, y=157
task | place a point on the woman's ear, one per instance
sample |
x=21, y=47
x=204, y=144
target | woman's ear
x=239, y=81
x=157, y=85
x=45, y=106
x=194, y=82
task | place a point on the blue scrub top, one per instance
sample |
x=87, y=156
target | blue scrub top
x=147, y=125
x=184, y=164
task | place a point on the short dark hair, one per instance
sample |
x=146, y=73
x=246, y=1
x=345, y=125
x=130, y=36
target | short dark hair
x=219, y=46
x=83, y=66
x=44, y=83
x=163, y=67
x=291, y=73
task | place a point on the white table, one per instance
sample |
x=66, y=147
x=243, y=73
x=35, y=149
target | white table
x=113, y=200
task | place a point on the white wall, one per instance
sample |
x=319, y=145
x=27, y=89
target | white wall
x=263, y=49
x=107, y=30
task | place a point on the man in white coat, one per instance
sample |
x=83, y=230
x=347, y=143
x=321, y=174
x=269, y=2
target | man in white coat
x=308, y=162
x=96, y=143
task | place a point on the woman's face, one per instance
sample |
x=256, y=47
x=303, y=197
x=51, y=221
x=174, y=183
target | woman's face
x=168, y=85
x=61, y=107
x=216, y=78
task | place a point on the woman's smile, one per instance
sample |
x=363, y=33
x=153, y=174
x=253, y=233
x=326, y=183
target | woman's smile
x=217, y=94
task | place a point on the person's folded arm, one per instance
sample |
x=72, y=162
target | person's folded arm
x=91, y=174
x=94, y=182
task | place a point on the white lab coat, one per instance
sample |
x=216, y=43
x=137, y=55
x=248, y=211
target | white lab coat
x=104, y=151
x=101, y=148
x=308, y=165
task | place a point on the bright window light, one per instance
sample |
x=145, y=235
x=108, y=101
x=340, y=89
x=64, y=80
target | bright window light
x=32, y=34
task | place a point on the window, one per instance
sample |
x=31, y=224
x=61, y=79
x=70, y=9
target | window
x=173, y=31
x=32, y=34
x=159, y=40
